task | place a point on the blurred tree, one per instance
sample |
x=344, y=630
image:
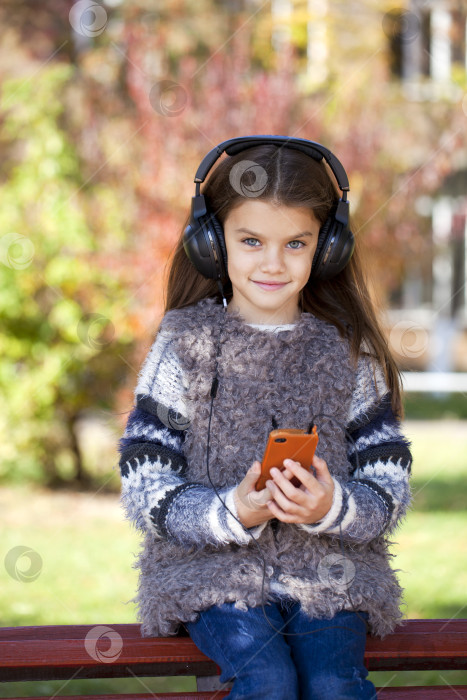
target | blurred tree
x=60, y=301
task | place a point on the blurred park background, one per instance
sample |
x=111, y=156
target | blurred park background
x=106, y=110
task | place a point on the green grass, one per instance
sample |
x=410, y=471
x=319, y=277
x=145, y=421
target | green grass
x=87, y=550
x=426, y=406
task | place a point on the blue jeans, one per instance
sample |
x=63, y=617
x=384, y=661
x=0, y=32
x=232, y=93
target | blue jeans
x=263, y=663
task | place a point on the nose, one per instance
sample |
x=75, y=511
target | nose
x=272, y=260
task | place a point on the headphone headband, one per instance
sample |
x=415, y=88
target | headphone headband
x=310, y=148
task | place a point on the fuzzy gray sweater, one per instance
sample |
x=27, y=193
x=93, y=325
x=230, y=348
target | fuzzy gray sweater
x=195, y=554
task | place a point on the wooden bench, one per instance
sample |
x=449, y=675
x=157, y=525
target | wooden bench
x=64, y=652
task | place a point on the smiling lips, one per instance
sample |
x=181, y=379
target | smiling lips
x=270, y=285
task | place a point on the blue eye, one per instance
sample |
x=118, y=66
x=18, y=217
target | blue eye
x=255, y=246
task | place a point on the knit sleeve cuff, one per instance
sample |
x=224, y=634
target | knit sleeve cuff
x=330, y=517
x=195, y=516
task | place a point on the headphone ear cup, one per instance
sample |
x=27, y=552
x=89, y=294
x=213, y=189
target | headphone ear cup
x=324, y=239
x=203, y=241
x=220, y=240
x=335, y=247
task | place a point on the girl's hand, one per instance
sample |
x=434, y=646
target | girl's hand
x=251, y=505
x=309, y=502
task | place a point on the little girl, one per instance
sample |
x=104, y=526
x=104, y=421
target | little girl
x=268, y=324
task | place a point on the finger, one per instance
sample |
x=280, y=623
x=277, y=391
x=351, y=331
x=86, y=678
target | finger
x=322, y=470
x=278, y=512
x=282, y=500
x=262, y=497
x=319, y=462
x=286, y=473
x=259, y=498
x=254, y=471
x=262, y=493
x=302, y=474
x=283, y=483
x=249, y=497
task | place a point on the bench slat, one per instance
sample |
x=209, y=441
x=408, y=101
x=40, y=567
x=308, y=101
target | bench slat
x=135, y=696
x=420, y=692
x=458, y=692
x=143, y=696
x=58, y=652
x=420, y=645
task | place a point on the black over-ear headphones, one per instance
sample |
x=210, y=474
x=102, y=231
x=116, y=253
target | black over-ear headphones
x=203, y=239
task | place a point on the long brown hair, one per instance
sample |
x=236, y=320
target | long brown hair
x=293, y=179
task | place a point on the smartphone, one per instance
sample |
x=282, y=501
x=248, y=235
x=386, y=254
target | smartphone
x=287, y=444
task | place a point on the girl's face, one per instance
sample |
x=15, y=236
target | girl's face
x=269, y=244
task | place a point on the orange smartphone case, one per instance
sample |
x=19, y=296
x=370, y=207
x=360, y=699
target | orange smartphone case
x=287, y=444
